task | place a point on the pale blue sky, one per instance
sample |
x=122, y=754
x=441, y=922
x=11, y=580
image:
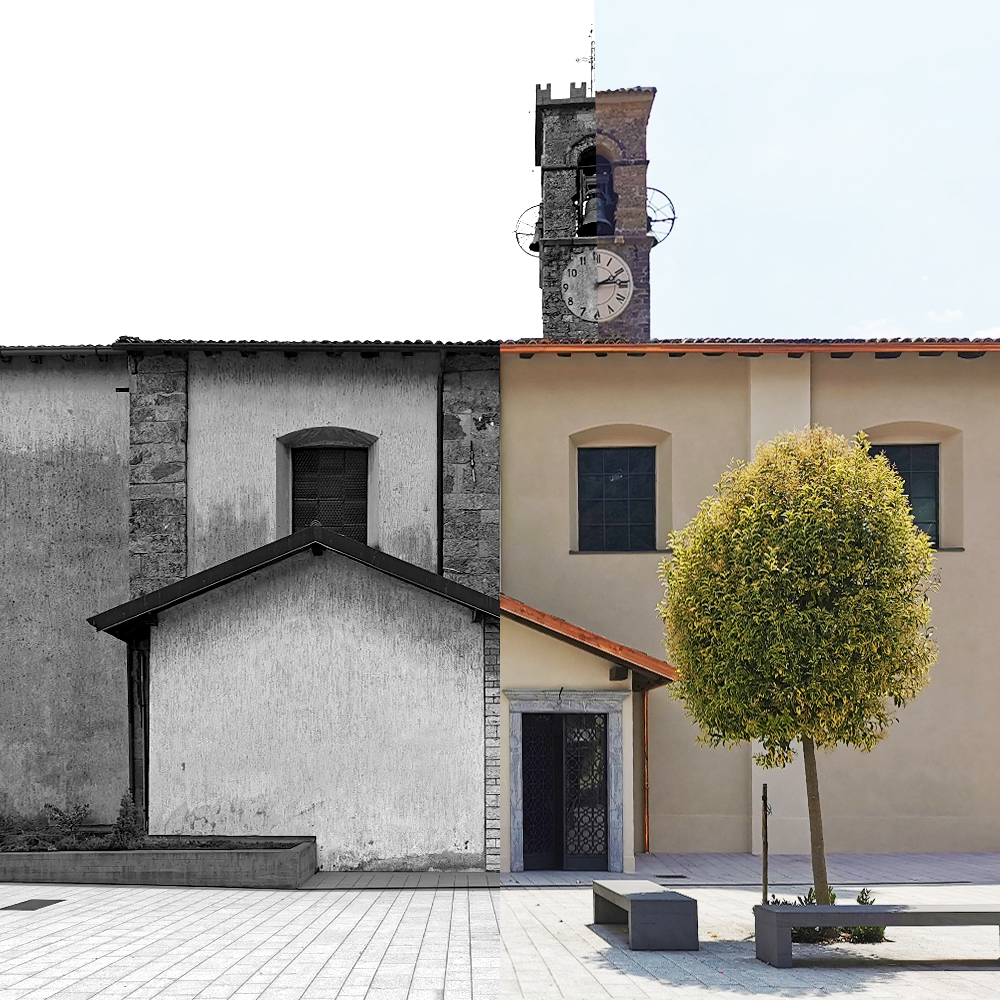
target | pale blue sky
x=835, y=166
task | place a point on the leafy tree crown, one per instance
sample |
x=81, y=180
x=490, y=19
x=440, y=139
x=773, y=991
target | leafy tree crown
x=796, y=600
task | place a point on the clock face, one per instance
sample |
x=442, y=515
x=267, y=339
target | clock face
x=597, y=285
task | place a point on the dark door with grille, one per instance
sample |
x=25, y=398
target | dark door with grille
x=564, y=772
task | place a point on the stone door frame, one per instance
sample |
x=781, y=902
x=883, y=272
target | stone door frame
x=563, y=702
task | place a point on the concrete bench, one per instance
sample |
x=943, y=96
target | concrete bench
x=658, y=919
x=774, y=923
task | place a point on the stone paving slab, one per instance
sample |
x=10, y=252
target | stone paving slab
x=551, y=950
x=141, y=942
x=407, y=936
x=783, y=869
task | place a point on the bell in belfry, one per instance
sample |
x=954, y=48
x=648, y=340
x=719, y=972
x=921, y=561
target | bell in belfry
x=595, y=216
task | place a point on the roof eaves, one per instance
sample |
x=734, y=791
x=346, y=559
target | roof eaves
x=124, y=619
x=759, y=345
x=657, y=671
x=126, y=345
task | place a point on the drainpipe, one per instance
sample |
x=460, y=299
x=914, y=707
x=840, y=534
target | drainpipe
x=645, y=769
x=440, y=464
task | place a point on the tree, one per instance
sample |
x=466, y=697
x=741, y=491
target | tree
x=796, y=606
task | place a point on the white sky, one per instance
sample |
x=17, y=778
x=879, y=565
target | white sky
x=835, y=166
x=265, y=170
x=318, y=170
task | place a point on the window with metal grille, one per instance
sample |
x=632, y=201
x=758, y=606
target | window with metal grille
x=330, y=485
x=918, y=465
x=617, y=499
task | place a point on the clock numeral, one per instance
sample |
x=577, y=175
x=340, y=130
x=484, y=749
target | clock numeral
x=619, y=271
x=598, y=257
x=620, y=297
x=569, y=301
x=572, y=272
x=565, y=286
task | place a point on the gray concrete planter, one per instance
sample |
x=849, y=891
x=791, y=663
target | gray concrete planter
x=280, y=868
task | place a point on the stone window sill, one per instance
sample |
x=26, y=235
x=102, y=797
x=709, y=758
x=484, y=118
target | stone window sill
x=618, y=552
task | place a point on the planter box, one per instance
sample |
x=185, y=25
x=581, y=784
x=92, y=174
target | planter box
x=278, y=868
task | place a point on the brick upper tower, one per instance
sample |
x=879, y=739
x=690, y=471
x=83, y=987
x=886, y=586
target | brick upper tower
x=592, y=235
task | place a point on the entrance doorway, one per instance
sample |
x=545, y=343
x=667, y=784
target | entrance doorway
x=565, y=791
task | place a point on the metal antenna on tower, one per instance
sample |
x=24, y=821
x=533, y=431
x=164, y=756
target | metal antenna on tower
x=590, y=60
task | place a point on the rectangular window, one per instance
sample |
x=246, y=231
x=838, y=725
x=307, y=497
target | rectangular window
x=918, y=466
x=616, y=490
x=330, y=485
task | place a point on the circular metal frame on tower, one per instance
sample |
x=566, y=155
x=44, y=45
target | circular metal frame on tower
x=660, y=214
x=526, y=227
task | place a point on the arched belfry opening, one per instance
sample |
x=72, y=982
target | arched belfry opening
x=596, y=198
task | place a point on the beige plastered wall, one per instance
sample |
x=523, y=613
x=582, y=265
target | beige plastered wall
x=931, y=784
x=695, y=410
x=533, y=660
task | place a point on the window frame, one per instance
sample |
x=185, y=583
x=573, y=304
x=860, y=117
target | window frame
x=951, y=478
x=904, y=474
x=324, y=437
x=622, y=436
x=639, y=492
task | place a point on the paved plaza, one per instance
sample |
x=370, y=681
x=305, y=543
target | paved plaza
x=423, y=936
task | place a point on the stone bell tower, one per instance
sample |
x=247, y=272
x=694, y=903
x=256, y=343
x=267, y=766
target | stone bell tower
x=592, y=236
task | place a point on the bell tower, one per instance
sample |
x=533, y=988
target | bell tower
x=593, y=236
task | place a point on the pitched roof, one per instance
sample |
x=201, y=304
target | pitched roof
x=652, y=671
x=530, y=345
x=753, y=346
x=125, y=345
x=125, y=618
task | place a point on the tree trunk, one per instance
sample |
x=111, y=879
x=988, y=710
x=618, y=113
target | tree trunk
x=820, y=883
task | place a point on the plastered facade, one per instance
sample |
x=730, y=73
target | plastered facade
x=321, y=697
x=531, y=660
x=240, y=406
x=552, y=405
x=928, y=786
x=64, y=473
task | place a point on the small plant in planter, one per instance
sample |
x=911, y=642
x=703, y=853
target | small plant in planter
x=865, y=935
x=129, y=831
x=67, y=821
x=827, y=935
x=809, y=935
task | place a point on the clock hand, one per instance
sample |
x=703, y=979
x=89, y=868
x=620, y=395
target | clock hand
x=612, y=281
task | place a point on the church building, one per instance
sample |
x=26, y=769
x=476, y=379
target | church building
x=610, y=441
x=263, y=587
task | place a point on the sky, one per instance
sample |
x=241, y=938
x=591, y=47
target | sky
x=319, y=170
x=833, y=165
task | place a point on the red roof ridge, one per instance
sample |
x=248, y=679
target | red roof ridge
x=621, y=654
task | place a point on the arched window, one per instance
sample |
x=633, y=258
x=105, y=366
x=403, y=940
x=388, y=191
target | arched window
x=596, y=199
x=929, y=459
x=326, y=474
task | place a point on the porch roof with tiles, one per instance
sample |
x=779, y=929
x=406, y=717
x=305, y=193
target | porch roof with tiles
x=648, y=670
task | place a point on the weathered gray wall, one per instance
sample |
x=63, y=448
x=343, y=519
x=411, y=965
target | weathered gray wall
x=64, y=509
x=237, y=408
x=470, y=401
x=319, y=696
